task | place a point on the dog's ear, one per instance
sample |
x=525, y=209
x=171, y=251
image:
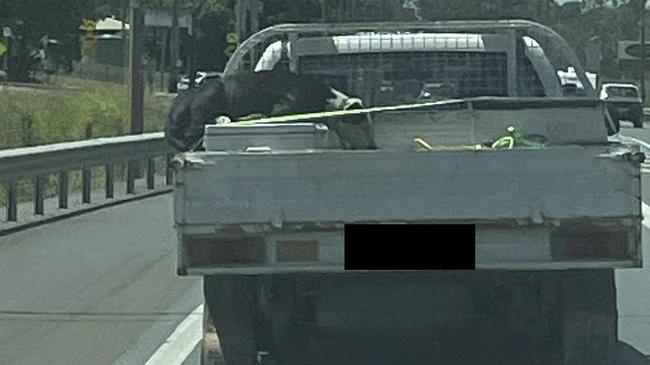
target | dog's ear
x=223, y=119
x=353, y=103
x=337, y=99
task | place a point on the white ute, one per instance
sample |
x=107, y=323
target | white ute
x=265, y=226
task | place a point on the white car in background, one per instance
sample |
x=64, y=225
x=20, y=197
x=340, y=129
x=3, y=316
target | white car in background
x=623, y=101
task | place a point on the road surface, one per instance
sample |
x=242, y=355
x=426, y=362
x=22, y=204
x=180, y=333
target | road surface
x=95, y=289
x=101, y=289
x=633, y=286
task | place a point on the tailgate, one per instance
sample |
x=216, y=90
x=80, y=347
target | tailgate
x=562, y=206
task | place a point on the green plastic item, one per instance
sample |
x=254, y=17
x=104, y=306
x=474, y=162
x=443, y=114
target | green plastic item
x=514, y=138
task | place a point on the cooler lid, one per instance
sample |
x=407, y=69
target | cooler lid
x=264, y=129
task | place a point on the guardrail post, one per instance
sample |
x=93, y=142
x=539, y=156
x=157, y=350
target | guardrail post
x=109, y=181
x=130, y=177
x=63, y=190
x=39, y=189
x=12, y=201
x=86, y=180
x=151, y=171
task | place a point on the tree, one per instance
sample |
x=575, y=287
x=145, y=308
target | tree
x=213, y=18
x=31, y=20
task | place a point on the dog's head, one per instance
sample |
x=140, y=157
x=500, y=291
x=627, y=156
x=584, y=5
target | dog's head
x=355, y=131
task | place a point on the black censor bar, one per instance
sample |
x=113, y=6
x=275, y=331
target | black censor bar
x=409, y=247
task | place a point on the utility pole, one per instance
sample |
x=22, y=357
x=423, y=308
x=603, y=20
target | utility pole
x=6, y=33
x=136, y=79
x=247, y=22
x=643, y=6
x=174, y=44
x=125, y=38
x=163, y=57
x=136, y=83
x=192, y=63
x=238, y=18
x=255, y=10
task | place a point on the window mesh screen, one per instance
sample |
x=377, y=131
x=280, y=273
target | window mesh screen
x=404, y=76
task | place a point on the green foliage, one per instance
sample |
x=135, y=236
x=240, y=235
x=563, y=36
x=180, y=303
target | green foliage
x=31, y=19
x=32, y=117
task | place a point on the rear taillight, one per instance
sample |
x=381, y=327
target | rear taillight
x=297, y=251
x=593, y=243
x=203, y=251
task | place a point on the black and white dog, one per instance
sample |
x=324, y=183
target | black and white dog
x=268, y=93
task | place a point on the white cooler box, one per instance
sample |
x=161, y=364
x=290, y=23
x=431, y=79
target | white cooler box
x=276, y=137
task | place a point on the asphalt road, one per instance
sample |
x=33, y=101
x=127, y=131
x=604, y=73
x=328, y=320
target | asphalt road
x=95, y=289
x=633, y=286
x=101, y=288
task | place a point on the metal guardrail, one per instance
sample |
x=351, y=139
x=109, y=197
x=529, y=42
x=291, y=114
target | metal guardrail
x=60, y=159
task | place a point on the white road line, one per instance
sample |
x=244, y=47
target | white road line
x=181, y=342
x=643, y=144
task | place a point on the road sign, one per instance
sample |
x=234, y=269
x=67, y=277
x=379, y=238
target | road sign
x=231, y=38
x=631, y=50
x=3, y=48
x=88, y=25
x=230, y=50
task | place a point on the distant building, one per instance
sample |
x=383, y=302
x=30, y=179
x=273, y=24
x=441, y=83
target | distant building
x=104, y=42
